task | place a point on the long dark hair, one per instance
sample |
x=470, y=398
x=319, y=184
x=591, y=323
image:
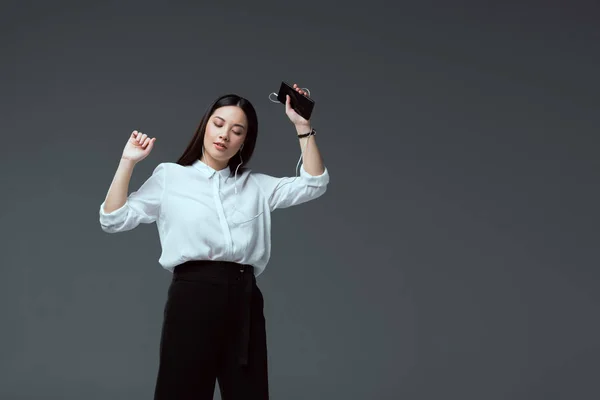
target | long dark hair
x=193, y=151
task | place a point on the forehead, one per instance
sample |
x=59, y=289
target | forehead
x=232, y=114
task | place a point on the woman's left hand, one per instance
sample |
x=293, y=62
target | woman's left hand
x=293, y=115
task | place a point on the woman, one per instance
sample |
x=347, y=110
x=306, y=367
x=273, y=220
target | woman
x=213, y=218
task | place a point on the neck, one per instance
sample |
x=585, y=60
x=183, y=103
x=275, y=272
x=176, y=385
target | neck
x=211, y=162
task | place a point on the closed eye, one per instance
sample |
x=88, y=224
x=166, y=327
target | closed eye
x=220, y=126
x=217, y=118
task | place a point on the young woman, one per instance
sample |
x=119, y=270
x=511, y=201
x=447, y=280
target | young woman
x=214, y=223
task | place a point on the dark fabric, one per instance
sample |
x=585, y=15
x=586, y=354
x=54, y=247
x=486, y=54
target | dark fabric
x=213, y=329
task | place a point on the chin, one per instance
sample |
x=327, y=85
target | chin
x=219, y=156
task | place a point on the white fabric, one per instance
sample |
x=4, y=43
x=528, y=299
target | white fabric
x=193, y=207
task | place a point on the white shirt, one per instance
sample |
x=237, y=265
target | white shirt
x=199, y=216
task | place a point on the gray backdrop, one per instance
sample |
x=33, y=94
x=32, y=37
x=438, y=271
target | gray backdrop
x=454, y=256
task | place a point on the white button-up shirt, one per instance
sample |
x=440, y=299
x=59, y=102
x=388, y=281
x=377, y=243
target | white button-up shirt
x=200, y=217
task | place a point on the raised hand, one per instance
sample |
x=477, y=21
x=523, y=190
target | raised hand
x=138, y=147
x=293, y=115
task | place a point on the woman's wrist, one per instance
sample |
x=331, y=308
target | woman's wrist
x=127, y=163
x=303, y=129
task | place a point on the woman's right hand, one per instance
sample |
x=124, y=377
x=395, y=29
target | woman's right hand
x=138, y=147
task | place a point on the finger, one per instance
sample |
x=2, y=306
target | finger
x=145, y=142
x=144, y=136
x=151, y=144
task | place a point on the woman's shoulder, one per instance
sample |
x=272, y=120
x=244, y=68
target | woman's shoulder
x=171, y=166
x=163, y=169
x=262, y=178
x=256, y=174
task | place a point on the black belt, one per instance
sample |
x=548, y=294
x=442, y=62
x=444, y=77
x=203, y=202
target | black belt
x=226, y=272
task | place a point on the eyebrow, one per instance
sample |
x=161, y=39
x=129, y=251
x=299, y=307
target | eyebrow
x=240, y=125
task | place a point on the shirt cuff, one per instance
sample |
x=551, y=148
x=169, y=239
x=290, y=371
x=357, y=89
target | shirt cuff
x=317, y=180
x=114, y=216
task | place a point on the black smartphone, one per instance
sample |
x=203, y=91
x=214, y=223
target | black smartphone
x=300, y=103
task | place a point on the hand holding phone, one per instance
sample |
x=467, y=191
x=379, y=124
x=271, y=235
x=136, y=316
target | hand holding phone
x=303, y=105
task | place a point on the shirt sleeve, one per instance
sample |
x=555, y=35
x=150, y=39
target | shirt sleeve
x=141, y=206
x=290, y=191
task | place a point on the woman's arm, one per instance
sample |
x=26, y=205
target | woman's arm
x=120, y=212
x=314, y=177
x=138, y=146
x=312, y=160
x=119, y=188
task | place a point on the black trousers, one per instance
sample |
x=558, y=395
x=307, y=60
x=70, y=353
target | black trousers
x=213, y=330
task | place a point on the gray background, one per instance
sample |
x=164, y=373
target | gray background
x=455, y=254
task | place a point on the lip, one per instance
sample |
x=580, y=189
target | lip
x=218, y=146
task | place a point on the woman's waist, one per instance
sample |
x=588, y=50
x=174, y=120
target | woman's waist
x=201, y=269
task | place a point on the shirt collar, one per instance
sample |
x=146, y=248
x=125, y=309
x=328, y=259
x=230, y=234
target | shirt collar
x=209, y=171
